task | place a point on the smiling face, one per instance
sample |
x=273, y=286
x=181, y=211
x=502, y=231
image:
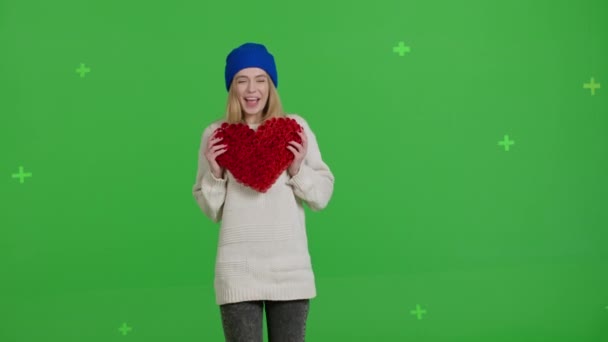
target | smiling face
x=251, y=85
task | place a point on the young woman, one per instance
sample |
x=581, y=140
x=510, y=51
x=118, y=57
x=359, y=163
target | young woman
x=262, y=257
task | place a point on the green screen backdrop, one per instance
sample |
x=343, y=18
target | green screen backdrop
x=468, y=139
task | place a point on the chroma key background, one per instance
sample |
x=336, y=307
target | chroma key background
x=469, y=140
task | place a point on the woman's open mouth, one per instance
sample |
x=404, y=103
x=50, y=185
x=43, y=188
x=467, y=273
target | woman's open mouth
x=252, y=101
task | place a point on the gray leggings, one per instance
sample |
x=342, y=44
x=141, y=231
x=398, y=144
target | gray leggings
x=286, y=320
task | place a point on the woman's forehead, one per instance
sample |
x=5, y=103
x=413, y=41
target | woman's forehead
x=253, y=72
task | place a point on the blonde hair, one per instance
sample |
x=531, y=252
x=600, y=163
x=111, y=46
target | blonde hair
x=272, y=109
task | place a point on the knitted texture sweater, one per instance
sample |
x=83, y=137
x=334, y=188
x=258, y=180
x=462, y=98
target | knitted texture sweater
x=262, y=251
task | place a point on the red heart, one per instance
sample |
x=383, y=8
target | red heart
x=257, y=158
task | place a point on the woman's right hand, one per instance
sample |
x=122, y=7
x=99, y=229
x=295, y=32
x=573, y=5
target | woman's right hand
x=214, y=150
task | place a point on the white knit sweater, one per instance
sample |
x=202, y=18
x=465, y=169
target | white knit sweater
x=263, y=247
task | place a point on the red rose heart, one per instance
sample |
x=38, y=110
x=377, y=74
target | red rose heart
x=257, y=158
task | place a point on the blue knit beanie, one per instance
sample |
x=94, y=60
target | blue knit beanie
x=250, y=55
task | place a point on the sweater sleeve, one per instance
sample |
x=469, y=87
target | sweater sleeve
x=209, y=191
x=314, y=182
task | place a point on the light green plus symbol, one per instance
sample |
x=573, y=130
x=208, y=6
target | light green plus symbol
x=591, y=86
x=418, y=312
x=506, y=142
x=82, y=70
x=401, y=49
x=21, y=175
x=124, y=329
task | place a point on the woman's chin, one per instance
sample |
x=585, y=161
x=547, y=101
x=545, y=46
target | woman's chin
x=251, y=111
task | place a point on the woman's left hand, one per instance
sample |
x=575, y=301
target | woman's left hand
x=299, y=152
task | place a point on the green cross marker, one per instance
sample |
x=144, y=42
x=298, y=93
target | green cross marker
x=401, y=49
x=21, y=175
x=418, y=311
x=124, y=329
x=82, y=70
x=591, y=86
x=506, y=142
